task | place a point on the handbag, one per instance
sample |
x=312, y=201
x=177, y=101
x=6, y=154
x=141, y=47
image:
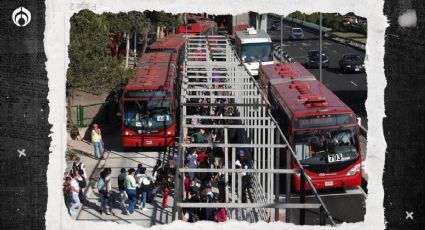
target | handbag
x=82, y=183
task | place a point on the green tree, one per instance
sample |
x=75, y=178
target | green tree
x=91, y=66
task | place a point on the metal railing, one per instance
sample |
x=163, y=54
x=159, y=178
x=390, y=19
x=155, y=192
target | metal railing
x=214, y=80
x=83, y=114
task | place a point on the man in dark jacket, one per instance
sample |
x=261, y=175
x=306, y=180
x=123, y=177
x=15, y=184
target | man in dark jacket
x=245, y=162
x=123, y=195
x=194, y=198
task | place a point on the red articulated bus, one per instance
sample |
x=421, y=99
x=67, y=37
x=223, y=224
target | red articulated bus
x=198, y=25
x=320, y=128
x=148, y=103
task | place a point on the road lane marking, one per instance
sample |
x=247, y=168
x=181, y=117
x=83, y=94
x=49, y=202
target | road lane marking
x=353, y=83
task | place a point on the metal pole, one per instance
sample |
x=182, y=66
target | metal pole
x=135, y=48
x=240, y=191
x=277, y=175
x=322, y=217
x=226, y=162
x=302, y=197
x=281, y=38
x=288, y=185
x=320, y=48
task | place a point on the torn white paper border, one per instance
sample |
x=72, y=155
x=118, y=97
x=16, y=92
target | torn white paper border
x=56, y=42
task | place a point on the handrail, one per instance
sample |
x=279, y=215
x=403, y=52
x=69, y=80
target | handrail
x=316, y=194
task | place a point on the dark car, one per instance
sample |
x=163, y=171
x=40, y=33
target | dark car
x=312, y=60
x=275, y=26
x=351, y=63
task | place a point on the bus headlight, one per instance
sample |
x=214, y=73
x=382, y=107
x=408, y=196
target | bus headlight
x=168, y=132
x=127, y=133
x=354, y=170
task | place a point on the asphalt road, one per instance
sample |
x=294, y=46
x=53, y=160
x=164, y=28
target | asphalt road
x=344, y=205
x=350, y=88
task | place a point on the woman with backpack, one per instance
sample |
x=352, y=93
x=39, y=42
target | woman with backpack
x=105, y=188
x=145, y=188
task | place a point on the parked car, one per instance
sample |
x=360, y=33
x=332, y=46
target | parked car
x=296, y=33
x=351, y=63
x=313, y=58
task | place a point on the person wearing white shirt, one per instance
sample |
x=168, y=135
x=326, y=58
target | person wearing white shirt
x=75, y=201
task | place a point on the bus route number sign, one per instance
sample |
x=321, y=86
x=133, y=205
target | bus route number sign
x=335, y=158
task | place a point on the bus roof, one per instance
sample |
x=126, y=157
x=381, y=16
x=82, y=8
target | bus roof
x=259, y=37
x=201, y=26
x=299, y=92
x=280, y=73
x=154, y=71
x=172, y=41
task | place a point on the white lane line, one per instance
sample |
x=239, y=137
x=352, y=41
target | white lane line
x=353, y=83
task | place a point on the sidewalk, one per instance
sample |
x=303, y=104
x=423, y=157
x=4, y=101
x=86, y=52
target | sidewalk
x=353, y=36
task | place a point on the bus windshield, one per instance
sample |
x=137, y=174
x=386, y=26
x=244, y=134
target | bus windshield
x=256, y=52
x=326, y=146
x=149, y=116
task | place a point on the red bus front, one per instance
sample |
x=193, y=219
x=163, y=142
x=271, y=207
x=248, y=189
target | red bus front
x=148, y=118
x=328, y=147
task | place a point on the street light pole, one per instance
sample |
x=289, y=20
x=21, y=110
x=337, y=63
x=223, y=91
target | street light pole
x=281, y=38
x=320, y=48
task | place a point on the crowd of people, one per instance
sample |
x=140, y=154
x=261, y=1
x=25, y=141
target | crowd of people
x=73, y=186
x=198, y=186
x=136, y=187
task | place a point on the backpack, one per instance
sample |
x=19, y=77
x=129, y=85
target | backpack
x=221, y=215
x=101, y=184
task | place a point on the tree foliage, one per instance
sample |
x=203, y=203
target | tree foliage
x=330, y=20
x=92, y=66
x=160, y=18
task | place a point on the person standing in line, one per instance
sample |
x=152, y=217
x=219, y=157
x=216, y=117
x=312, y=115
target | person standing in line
x=186, y=185
x=81, y=183
x=75, y=200
x=139, y=179
x=165, y=191
x=96, y=138
x=104, y=186
x=192, y=158
x=68, y=190
x=121, y=188
x=145, y=187
x=139, y=170
x=131, y=185
x=155, y=171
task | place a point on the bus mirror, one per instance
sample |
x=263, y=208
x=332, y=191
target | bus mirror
x=118, y=114
x=359, y=121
